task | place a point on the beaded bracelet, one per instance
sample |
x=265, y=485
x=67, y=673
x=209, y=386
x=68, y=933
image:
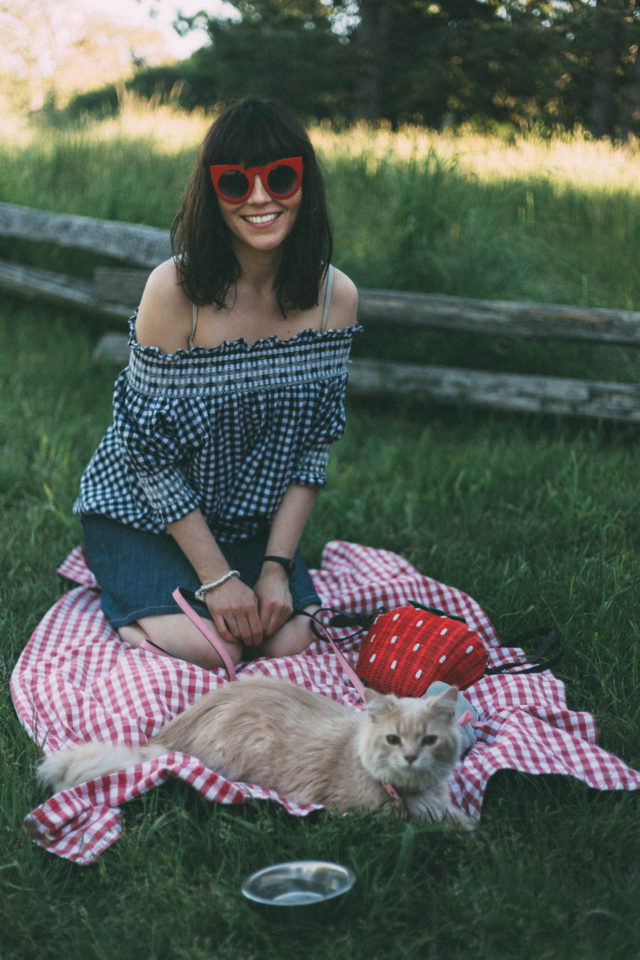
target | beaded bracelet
x=204, y=588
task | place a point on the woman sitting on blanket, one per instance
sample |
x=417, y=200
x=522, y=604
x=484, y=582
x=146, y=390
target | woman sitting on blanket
x=223, y=418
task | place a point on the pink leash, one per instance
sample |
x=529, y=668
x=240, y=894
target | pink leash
x=207, y=631
x=346, y=666
x=359, y=687
x=216, y=643
x=462, y=720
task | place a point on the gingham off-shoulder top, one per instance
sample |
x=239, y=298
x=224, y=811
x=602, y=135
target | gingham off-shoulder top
x=226, y=429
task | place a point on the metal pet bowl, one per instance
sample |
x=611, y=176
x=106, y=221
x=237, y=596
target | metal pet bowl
x=298, y=883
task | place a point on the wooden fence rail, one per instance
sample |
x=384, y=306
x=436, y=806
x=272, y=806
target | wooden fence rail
x=113, y=291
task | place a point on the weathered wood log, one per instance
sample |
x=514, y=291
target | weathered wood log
x=504, y=391
x=133, y=242
x=148, y=246
x=62, y=291
x=124, y=285
x=500, y=318
x=112, y=348
x=541, y=321
x=115, y=292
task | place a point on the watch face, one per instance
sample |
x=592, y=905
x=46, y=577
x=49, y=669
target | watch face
x=289, y=565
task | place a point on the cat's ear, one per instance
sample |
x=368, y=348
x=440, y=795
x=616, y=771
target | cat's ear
x=378, y=704
x=445, y=702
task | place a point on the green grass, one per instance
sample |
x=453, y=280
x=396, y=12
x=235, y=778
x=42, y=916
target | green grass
x=536, y=517
x=539, y=219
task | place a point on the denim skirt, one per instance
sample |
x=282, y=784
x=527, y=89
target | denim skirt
x=138, y=571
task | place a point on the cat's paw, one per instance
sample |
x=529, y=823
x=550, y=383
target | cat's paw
x=429, y=809
x=456, y=818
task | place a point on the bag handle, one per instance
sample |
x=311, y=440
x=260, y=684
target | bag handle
x=342, y=618
x=436, y=610
x=548, y=653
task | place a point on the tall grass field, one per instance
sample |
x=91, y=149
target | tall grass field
x=536, y=517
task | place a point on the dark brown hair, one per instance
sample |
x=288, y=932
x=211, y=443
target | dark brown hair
x=252, y=132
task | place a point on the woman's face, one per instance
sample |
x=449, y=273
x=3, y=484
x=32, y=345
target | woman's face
x=261, y=222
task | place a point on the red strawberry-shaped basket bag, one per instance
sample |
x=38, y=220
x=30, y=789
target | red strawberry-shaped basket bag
x=405, y=650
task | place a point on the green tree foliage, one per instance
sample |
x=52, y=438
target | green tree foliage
x=573, y=62
x=283, y=50
x=601, y=64
x=436, y=62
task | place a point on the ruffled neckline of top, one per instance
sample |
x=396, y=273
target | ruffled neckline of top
x=309, y=335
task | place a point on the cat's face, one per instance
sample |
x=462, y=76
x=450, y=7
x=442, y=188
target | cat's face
x=408, y=742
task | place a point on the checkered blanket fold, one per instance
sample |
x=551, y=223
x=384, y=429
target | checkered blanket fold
x=76, y=681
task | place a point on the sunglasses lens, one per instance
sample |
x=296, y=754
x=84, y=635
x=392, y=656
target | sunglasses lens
x=233, y=184
x=282, y=180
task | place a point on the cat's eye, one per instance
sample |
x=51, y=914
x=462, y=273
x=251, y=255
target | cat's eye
x=393, y=739
x=429, y=740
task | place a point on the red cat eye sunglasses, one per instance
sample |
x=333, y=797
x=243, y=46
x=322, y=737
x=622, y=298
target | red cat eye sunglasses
x=234, y=184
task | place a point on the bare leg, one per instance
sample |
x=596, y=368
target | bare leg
x=175, y=634
x=293, y=637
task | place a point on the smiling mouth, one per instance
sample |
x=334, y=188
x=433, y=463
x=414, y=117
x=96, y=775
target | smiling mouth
x=258, y=220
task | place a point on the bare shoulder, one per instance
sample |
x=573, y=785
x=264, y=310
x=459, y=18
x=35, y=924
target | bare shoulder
x=164, y=314
x=343, y=308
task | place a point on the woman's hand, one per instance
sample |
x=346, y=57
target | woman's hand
x=234, y=610
x=274, y=598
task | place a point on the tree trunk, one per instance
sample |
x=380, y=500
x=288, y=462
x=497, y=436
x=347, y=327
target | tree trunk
x=606, y=55
x=371, y=51
x=630, y=108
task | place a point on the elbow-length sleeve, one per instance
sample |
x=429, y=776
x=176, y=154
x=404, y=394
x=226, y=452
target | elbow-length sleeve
x=329, y=425
x=155, y=444
x=157, y=436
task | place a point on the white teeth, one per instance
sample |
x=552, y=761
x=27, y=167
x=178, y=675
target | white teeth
x=263, y=219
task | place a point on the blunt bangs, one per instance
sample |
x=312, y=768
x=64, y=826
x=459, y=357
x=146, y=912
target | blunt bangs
x=255, y=132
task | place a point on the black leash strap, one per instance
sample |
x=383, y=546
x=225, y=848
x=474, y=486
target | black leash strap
x=547, y=654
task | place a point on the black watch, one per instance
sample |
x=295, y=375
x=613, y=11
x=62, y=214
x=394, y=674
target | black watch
x=285, y=562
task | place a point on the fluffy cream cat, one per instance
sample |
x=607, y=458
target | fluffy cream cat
x=303, y=745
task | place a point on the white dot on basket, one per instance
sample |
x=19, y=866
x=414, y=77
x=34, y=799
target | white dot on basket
x=394, y=664
x=469, y=650
x=444, y=632
x=418, y=674
x=397, y=616
x=442, y=659
x=419, y=623
x=394, y=638
x=372, y=658
x=416, y=647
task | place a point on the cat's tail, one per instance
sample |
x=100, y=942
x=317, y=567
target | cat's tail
x=67, y=768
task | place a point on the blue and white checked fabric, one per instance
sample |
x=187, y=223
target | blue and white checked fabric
x=224, y=429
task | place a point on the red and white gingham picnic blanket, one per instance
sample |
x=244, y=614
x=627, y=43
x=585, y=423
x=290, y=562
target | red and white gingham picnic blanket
x=76, y=681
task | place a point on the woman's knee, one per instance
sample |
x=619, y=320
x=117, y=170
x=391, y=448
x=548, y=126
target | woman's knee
x=293, y=637
x=176, y=636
